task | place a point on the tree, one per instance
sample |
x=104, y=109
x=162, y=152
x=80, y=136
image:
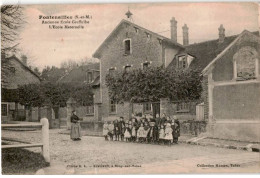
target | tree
x=52, y=74
x=11, y=22
x=151, y=84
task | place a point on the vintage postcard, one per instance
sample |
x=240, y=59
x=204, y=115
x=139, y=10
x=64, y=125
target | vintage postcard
x=144, y=88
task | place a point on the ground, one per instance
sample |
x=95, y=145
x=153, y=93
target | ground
x=95, y=155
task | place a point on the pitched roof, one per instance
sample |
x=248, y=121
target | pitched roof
x=22, y=64
x=206, y=52
x=78, y=75
x=168, y=40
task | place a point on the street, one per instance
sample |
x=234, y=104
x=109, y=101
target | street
x=94, y=155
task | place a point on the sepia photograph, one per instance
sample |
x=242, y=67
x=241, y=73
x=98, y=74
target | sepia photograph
x=130, y=88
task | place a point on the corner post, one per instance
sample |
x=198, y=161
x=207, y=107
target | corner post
x=45, y=139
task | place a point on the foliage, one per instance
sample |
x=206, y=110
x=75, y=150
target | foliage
x=12, y=20
x=36, y=95
x=154, y=83
x=52, y=74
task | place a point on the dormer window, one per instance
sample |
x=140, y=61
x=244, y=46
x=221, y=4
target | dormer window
x=112, y=71
x=127, y=68
x=89, y=77
x=245, y=64
x=127, y=46
x=146, y=65
x=182, y=62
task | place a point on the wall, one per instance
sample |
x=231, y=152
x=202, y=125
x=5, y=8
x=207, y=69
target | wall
x=143, y=49
x=169, y=55
x=235, y=104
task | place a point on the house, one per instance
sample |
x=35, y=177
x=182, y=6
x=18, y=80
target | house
x=86, y=75
x=231, y=84
x=14, y=72
x=128, y=47
x=229, y=65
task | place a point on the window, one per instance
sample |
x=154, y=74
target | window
x=146, y=65
x=127, y=68
x=112, y=106
x=112, y=71
x=90, y=77
x=147, y=107
x=245, y=64
x=182, y=62
x=90, y=110
x=127, y=45
x=4, y=109
x=183, y=107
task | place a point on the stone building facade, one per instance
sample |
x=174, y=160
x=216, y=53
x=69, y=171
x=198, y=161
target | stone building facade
x=129, y=47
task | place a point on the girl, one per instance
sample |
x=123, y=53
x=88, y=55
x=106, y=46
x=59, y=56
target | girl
x=134, y=130
x=127, y=134
x=168, y=134
x=111, y=130
x=105, y=130
x=122, y=128
x=116, y=130
x=161, y=134
x=146, y=130
x=140, y=133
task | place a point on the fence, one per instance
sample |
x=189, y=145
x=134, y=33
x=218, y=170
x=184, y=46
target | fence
x=193, y=127
x=44, y=124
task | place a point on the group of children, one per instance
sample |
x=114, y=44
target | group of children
x=157, y=130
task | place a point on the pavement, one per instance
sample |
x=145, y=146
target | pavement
x=94, y=155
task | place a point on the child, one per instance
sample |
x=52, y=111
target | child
x=122, y=128
x=150, y=133
x=116, y=130
x=111, y=130
x=176, y=131
x=127, y=134
x=140, y=133
x=168, y=134
x=161, y=134
x=105, y=130
x=134, y=130
x=146, y=130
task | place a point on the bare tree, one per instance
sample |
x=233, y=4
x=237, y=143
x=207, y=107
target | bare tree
x=12, y=20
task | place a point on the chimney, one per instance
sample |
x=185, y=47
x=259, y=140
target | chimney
x=174, y=29
x=24, y=59
x=221, y=33
x=185, y=31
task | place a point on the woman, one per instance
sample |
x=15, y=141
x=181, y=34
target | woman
x=116, y=130
x=75, y=127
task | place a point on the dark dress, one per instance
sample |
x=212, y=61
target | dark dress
x=75, y=127
x=121, y=127
x=116, y=128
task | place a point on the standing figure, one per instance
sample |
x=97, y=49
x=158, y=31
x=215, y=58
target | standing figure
x=122, y=128
x=177, y=131
x=161, y=134
x=146, y=130
x=111, y=130
x=116, y=130
x=134, y=129
x=127, y=134
x=105, y=130
x=150, y=133
x=75, y=127
x=168, y=134
x=140, y=133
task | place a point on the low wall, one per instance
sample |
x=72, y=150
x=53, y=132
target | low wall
x=236, y=130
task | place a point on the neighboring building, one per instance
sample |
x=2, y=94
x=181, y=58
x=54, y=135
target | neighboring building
x=14, y=73
x=231, y=84
x=128, y=47
x=88, y=75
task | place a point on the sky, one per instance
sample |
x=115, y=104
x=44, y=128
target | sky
x=49, y=47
